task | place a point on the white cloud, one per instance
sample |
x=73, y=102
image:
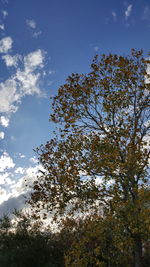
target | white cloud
x=33, y=160
x=31, y=23
x=128, y=11
x=20, y=170
x=33, y=60
x=6, y=162
x=36, y=34
x=4, y=121
x=3, y=195
x=32, y=171
x=2, y=27
x=21, y=155
x=24, y=183
x=23, y=82
x=11, y=60
x=2, y=134
x=28, y=82
x=5, y=179
x=9, y=95
x=5, y=13
x=114, y=15
x=15, y=188
x=5, y=44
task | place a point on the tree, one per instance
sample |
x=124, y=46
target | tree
x=23, y=244
x=95, y=243
x=101, y=158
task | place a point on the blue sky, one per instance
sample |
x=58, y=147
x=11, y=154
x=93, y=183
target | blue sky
x=41, y=43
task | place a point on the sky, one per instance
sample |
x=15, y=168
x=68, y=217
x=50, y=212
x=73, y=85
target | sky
x=41, y=43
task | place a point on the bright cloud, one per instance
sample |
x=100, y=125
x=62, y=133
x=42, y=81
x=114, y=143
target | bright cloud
x=4, y=121
x=5, y=44
x=11, y=60
x=22, y=156
x=20, y=170
x=2, y=134
x=31, y=23
x=15, y=188
x=24, y=82
x=128, y=11
x=24, y=183
x=33, y=160
x=6, y=162
x=5, y=179
x=33, y=60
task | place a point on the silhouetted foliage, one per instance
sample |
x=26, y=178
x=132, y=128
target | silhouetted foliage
x=24, y=245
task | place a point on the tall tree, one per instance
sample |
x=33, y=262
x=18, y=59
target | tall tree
x=101, y=158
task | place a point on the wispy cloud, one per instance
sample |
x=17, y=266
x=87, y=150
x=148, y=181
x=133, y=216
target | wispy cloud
x=146, y=13
x=2, y=134
x=5, y=44
x=31, y=23
x=5, y=13
x=36, y=34
x=33, y=27
x=128, y=11
x=114, y=15
x=2, y=27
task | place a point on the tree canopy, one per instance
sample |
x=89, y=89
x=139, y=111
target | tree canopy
x=99, y=161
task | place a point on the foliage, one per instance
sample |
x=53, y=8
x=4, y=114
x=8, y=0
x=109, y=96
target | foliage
x=22, y=244
x=90, y=241
x=100, y=161
x=97, y=242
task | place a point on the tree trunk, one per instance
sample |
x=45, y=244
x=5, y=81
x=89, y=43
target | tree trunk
x=138, y=252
